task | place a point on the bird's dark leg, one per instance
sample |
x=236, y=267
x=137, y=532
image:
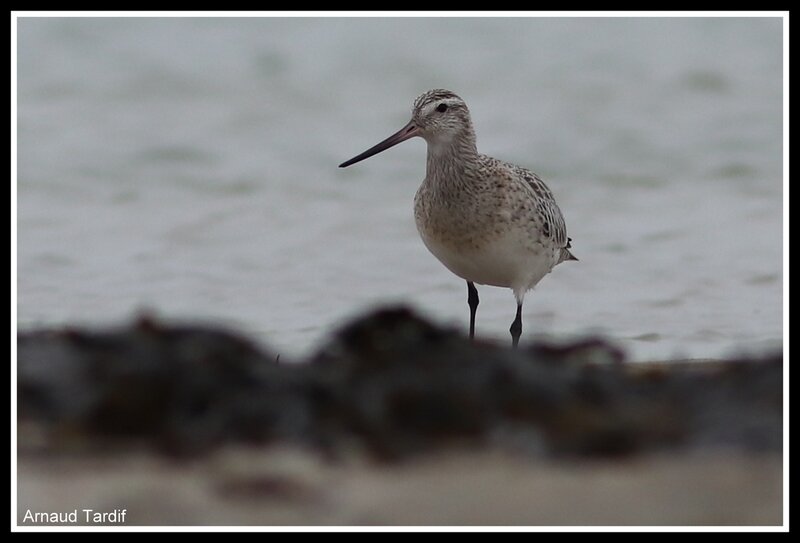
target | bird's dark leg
x=472, y=300
x=516, y=326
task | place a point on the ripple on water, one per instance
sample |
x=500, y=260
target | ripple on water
x=649, y=337
x=53, y=260
x=764, y=279
x=706, y=81
x=666, y=302
x=735, y=170
x=174, y=153
x=662, y=235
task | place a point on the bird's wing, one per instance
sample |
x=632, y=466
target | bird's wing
x=554, y=225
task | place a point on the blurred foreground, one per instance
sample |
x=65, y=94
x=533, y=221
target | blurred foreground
x=394, y=421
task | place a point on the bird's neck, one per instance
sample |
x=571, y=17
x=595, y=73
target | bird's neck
x=449, y=160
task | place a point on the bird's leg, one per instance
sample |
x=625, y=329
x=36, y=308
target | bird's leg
x=516, y=326
x=472, y=300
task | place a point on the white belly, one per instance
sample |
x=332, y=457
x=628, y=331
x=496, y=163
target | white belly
x=510, y=260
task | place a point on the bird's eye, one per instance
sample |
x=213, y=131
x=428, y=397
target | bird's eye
x=441, y=108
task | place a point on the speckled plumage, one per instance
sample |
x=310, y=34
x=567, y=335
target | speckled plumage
x=488, y=221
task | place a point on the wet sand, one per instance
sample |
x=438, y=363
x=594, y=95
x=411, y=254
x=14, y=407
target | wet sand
x=291, y=487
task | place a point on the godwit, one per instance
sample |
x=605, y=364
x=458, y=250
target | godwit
x=488, y=221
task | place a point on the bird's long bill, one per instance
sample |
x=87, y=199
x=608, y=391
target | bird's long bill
x=408, y=131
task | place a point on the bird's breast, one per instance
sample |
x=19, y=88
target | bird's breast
x=481, y=244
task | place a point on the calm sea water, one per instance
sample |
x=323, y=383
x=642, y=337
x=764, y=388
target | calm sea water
x=189, y=166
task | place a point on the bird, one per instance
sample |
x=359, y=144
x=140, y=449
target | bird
x=488, y=221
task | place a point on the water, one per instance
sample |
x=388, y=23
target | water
x=189, y=167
